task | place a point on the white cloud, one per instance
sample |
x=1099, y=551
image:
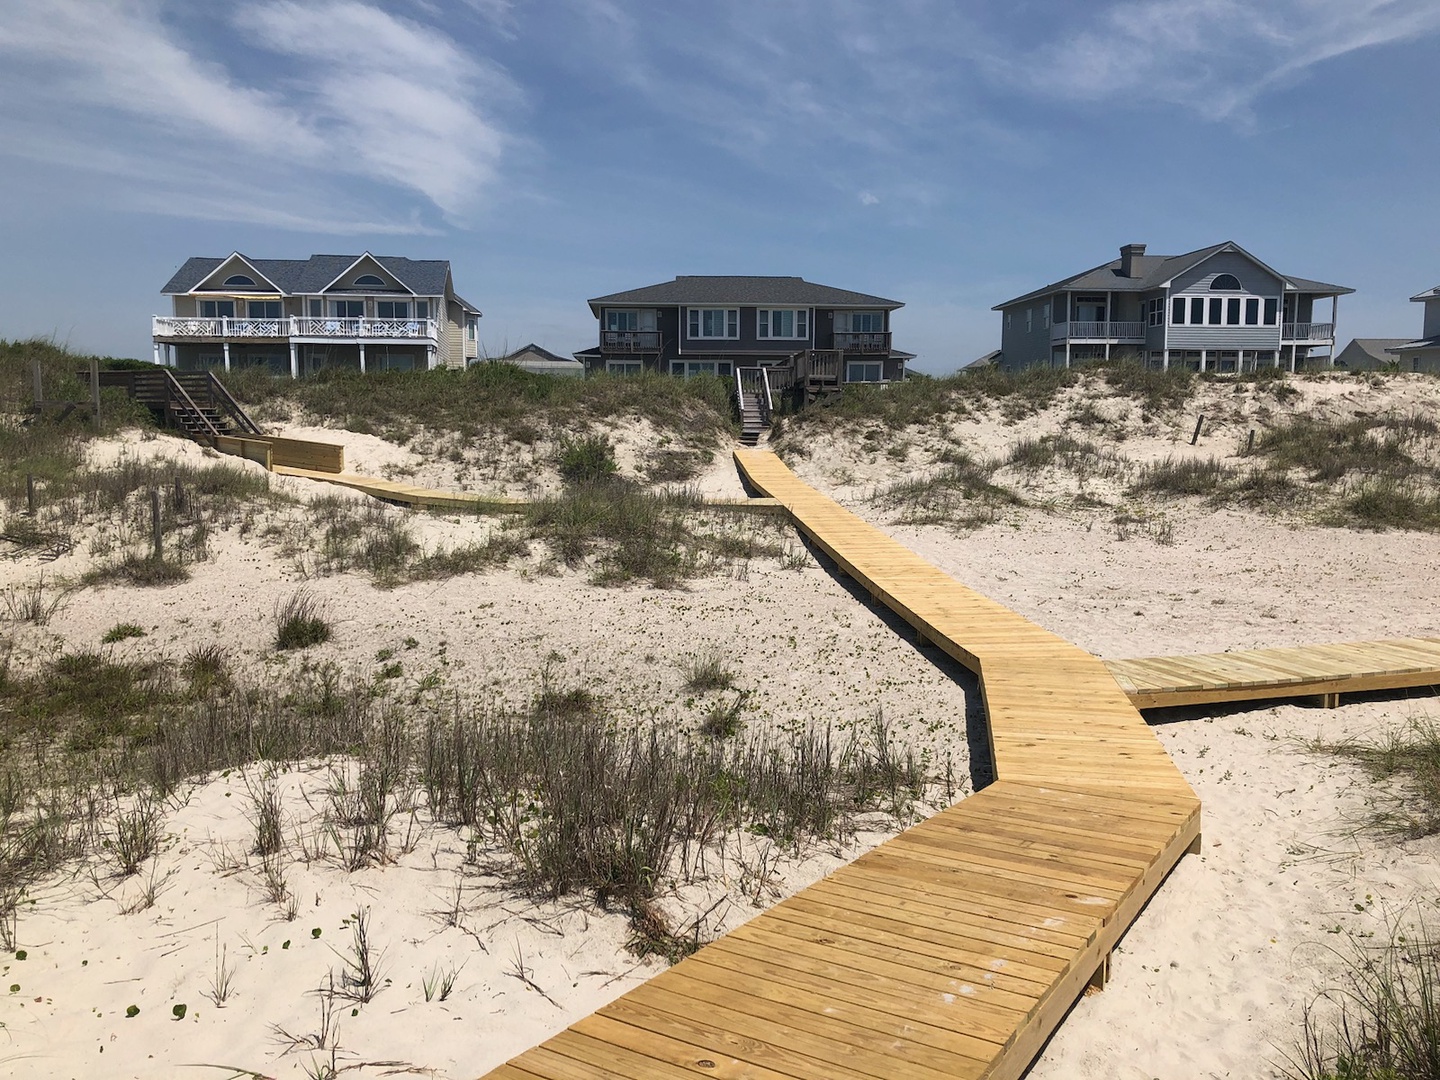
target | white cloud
x=869, y=198
x=1214, y=56
x=117, y=87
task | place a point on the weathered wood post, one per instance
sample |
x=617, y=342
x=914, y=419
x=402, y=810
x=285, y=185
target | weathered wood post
x=1250, y=442
x=1198, y=425
x=95, y=388
x=30, y=494
x=179, y=500
x=155, y=524
x=39, y=387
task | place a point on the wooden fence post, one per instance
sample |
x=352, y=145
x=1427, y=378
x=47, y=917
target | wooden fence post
x=155, y=523
x=1250, y=442
x=179, y=501
x=1198, y=425
x=30, y=493
x=39, y=386
x=95, y=388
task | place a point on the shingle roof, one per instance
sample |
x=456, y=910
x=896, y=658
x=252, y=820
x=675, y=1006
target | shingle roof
x=544, y=353
x=1428, y=294
x=1410, y=346
x=1374, y=347
x=744, y=291
x=1153, y=271
x=425, y=277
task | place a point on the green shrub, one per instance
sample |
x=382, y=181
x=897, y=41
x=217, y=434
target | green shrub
x=585, y=460
x=300, y=621
x=1182, y=476
x=121, y=632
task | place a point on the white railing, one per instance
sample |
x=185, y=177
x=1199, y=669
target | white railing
x=1112, y=331
x=164, y=326
x=1308, y=331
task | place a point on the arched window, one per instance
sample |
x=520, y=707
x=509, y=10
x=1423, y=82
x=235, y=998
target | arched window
x=240, y=281
x=1225, y=283
x=369, y=279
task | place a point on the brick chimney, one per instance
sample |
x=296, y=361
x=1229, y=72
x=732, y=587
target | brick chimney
x=1128, y=254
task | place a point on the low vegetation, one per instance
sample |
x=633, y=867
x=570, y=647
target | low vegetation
x=300, y=621
x=1406, y=766
x=553, y=794
x=961, y=493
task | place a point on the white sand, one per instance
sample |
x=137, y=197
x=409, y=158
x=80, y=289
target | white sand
x=1209, y=983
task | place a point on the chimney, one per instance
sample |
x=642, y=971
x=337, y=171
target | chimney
x=1128, y=254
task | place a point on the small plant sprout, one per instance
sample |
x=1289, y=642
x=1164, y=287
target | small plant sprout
x=362, y=978
x=222, y=983
x=436, y=983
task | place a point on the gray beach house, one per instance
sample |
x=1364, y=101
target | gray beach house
x=1216, y=309
x=1422, y=354
x=808, y=336
x=299, y=316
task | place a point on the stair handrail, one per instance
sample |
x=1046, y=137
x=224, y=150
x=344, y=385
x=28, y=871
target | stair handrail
x=175, y=388
x=769, y=407
x=232, y=406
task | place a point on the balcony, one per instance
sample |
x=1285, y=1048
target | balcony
x=1308, y=331
x=863, y=343
x=171, y=327
x=629, y=341
x=1115, y=332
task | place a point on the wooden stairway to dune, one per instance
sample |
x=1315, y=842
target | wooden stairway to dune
x=956, y=948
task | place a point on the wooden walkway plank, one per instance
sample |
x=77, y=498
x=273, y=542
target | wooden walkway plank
x=1261, y=674
x=957, y=947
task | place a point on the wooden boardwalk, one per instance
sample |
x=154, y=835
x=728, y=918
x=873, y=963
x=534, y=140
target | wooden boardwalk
x=956, y=948
x=1256, y=674
x=408, y=494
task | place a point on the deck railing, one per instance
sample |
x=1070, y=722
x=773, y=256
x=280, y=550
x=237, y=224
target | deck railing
x=818, y=365
x=1308, y=331
x=629, y=341
x=166, y=326
x=863, y=343
x=1098, y=331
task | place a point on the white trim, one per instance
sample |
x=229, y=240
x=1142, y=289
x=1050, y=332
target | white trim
x=196, y=291
x=851, y=365
x=698, y=312
x=383, y=270
x=769, y=321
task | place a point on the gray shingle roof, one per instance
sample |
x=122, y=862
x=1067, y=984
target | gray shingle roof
x=1151, y=272
x=424, y=277
x=1373, y=347
x=745, y=292
x=1428, y=294
x=1410, y=346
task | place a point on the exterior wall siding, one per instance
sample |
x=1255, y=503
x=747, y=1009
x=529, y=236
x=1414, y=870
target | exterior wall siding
x=1224, y=337
x=452, y=337
x=1022, y=348
x=1432, y=319
x=1254, y=279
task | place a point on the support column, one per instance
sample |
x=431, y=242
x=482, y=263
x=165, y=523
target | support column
x=1067, y=352
x=362, y=358
x=294, y=360
x=1165, y=360
x=1204, y=355
x=159, y=362
x=227, y=358
x=430, y=355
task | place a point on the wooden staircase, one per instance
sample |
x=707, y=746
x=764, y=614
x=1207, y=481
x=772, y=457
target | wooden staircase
x=754, y=402
x=195, y=402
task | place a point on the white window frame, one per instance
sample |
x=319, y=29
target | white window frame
x=799, y=324
x=851, y=365
x=392, y=314
x=1155, y=311
x=623, y=367
x=695, y=324
x=875, y=317
x=615, y=316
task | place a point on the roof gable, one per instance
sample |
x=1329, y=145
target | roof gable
x=235, y=265
x=298, y=277
x=366, y=266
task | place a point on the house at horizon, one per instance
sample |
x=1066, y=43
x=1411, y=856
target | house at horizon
x=804, y=335
x=1367, y=354
x=538, y=361
x=1422, y=354
x=298, y=316
x=1216, y=309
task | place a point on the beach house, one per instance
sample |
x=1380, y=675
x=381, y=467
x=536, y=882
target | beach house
x=1216, y=309
x=1422, y=354
x=812, y=337
x=298, y=316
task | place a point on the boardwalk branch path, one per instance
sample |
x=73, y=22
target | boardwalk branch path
x=956, y=948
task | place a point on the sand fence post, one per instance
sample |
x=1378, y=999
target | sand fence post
x=155, y=523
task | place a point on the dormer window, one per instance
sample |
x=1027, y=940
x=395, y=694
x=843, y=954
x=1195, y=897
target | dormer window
x=370, y=280
x=1225, y=283
x=240, y=281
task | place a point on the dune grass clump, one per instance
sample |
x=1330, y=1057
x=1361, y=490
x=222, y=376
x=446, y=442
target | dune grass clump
x=1383, y=1019
x=1182, y=476
x=300, y=621
x=1328, y=450
x=588, y=459
x=1406, y=765
x=961, y=493
x=708, y=670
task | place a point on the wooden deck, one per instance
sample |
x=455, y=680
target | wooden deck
x=956, y=948
x=1257, y=674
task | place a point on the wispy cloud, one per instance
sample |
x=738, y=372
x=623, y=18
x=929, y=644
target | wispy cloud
x=1217, y=57
x=260, y=118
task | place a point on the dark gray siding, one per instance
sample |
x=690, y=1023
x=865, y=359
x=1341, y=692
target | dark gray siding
x=1022, y=348
x=1432, y=319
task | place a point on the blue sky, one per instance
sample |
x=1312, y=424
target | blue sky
x=945, y=153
